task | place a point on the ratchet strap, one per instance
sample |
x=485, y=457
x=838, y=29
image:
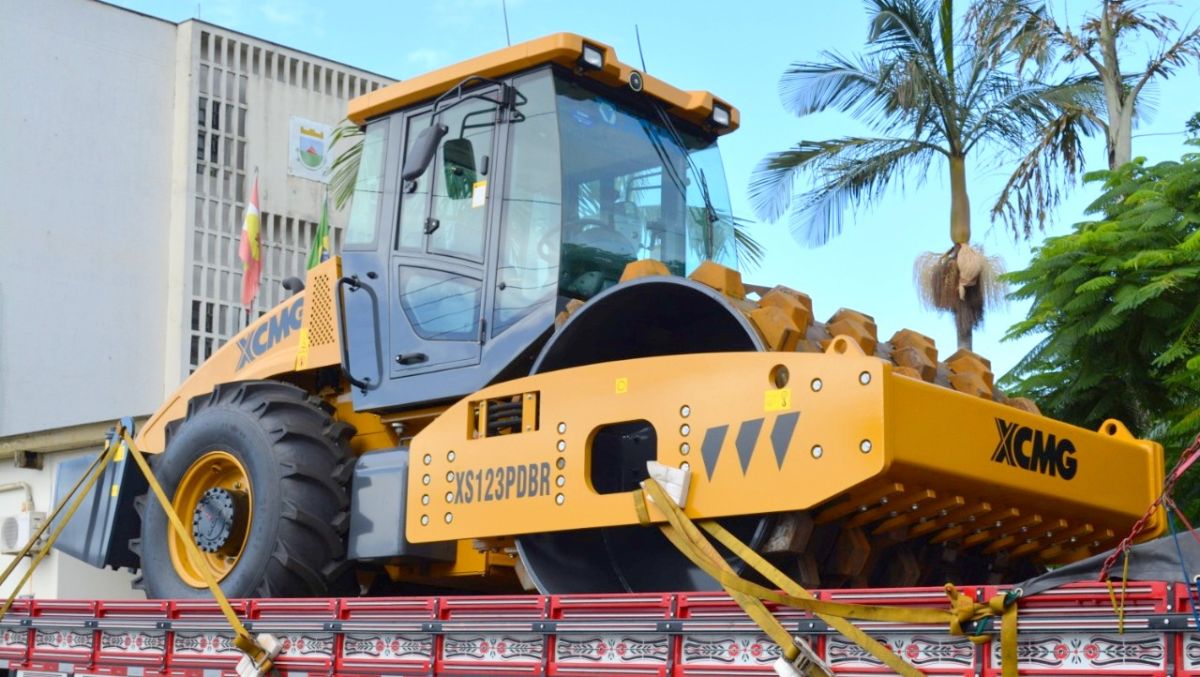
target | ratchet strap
x=965, y=616
x=243, y=640
x=116, y=445
x=86, y=481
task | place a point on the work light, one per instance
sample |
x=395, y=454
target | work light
x=593, y=57
x=720, y=116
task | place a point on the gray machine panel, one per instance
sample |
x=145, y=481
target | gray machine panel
x=100, y=531
x=377, y=500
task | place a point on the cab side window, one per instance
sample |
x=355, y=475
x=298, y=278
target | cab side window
x=458, y=213
x=444, y=211
x=368, y=186
x=414, y=205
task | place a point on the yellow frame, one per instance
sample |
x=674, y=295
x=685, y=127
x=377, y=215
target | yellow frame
x=928, y=447
x=281, y=349
x=561, y=48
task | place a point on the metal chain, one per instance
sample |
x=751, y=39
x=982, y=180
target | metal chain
x=1186, y=459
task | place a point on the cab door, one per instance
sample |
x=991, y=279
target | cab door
x=440, y=261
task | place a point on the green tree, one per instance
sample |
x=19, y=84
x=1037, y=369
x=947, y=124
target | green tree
x=1116, y=302
x=1192, y=126
x=930, y=96
x=1099, y=43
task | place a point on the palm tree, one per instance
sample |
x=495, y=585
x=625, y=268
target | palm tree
x=930, y=96
x=1039, y=37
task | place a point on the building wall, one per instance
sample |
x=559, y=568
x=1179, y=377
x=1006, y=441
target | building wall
x=85, y=158
x=244, y=94
x=123, y=206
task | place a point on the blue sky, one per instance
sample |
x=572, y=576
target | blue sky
x=737, y=50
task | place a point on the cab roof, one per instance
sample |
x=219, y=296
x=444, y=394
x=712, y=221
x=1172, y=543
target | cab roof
x=560, y=48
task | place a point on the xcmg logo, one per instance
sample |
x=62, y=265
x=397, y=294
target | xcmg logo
x=1035, y=450
x=279, y=327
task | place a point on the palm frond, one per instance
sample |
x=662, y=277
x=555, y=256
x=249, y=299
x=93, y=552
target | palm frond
x=1021, y=27
x=344, y=171
x=860, y=165
x=859, y=87
x=904, y=26
x=853, y=173
x=1035, y=187
x=1170, y=57
x=904, y=30
x=1145, y=107
x=749, y=250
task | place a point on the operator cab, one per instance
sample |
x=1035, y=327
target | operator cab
x=486, y=205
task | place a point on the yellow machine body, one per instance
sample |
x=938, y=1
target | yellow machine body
x=561, y=48
x=292, y=339
x=845, y=437
x=819, y=424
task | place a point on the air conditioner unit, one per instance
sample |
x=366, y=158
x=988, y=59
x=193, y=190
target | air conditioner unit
x=16, y=530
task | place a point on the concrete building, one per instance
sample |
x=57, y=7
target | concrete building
x=129, y=148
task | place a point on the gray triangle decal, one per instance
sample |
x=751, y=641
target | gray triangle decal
x=747, y=437
x=710, y=449
x=781, y=435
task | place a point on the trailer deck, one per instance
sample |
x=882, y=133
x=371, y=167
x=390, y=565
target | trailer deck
x=1071, y=630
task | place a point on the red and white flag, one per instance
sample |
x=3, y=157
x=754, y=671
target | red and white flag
x=250, y=250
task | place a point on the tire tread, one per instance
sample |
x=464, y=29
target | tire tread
x=313, y=455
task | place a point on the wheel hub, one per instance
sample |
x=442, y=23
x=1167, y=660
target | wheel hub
x=216, y=492
x=214, y=520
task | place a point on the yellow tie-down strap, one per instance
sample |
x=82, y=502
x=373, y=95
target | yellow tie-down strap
x=687, y=537
x=115, y=446
x=243, y=640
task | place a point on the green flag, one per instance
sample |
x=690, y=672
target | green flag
x=320, y=244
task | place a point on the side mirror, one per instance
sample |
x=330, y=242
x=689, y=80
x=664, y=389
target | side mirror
x=458, y=162
x=422, y=152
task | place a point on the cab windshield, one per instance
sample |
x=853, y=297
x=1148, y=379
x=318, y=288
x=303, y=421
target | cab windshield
x=592, y=183
x=635, y=185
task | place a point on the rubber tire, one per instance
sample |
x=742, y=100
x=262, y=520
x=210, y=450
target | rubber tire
x=297, y=459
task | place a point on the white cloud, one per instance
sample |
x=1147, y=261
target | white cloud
x=222, y=12
x=462, y=13
x=294, y=14
x=277, y=13
x=427, y=59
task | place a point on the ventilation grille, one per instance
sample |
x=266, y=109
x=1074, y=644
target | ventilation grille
x=10, y=535
x=320, y=326
x=17, y=529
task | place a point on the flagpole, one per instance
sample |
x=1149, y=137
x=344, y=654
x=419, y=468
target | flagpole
x=318, y=252
x=244, y=272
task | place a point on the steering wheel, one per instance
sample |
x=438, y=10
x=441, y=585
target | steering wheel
x=591, y=232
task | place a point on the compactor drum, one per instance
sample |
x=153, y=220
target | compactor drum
x=538, y=301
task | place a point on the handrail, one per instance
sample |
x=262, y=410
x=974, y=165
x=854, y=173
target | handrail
x=354, y=284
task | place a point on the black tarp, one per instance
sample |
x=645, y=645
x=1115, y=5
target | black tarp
x=1156, y=560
